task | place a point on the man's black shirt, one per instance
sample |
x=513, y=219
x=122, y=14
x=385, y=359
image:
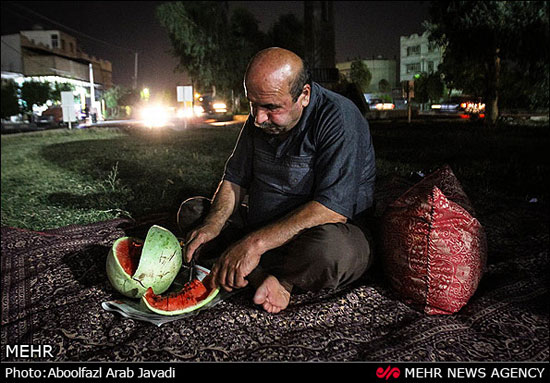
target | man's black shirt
x=328, y=157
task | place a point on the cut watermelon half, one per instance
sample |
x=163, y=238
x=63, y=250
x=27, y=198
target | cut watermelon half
x=192, y=296
x=134, y=265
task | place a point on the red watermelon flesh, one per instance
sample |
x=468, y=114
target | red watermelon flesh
x=193, y=295
x=128, y=253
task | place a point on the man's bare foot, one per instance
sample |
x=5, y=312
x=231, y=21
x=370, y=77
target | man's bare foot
x=272, y=295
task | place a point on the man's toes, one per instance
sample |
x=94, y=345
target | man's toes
x=260, y=295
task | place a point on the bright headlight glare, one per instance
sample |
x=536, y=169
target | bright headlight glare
x=199, y=110
x=155, y=116
x=185, y=113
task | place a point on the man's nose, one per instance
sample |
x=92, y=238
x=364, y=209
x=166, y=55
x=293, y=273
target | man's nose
x=260, y=116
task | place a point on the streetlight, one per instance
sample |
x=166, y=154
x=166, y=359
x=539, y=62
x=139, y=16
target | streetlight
x=144, y=94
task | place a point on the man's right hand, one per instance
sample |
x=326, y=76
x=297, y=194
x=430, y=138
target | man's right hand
x=199, y=237
x=227, y=198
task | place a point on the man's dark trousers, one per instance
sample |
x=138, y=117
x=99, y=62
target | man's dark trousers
x=327, y=256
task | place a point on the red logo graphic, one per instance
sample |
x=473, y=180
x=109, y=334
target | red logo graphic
x=389, y=372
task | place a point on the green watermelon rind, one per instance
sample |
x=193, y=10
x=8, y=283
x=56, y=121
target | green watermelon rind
x=186, y=310
x=118, y=278
x=160, y=261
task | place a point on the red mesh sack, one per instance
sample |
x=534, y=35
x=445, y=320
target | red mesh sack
x=434, y=249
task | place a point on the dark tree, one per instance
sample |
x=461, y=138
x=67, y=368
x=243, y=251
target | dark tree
x=247, y=40
x=10, y=102
x=213, y=46
x=288, y=32
x=58, y=87
x=360, y=74
x=198, y=31
x=428, y=87
x=479, y=37
x=35, y=93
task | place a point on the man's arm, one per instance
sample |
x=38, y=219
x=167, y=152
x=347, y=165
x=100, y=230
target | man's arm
x=243, y=257
x=309, y=215
x=226, y=200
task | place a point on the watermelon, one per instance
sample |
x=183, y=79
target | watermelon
x=133, y=266
x=192, y=296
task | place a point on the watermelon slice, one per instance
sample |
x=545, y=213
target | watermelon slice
x=192, y=296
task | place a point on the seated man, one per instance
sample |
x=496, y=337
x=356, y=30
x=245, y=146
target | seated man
x=305, y=160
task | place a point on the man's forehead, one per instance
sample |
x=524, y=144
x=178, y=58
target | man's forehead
x=267, y=91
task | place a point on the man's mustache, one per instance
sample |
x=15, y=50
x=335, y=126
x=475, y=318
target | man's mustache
x=270, y=127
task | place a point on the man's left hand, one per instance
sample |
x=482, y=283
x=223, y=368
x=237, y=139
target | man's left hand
x=235, y=264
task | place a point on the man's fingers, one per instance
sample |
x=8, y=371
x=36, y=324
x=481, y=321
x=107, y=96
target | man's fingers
x=193, y=244
x=190, y=249
x=240, y=282
x=226, y=278
x=218, y=275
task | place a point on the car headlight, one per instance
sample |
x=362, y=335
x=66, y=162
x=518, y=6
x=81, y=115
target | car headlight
x=220, y=107
x=155, y=116
x=198, y=110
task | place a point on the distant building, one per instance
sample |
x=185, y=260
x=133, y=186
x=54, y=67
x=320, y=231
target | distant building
x=53, y=56
x=383, y=71
x=417, y=56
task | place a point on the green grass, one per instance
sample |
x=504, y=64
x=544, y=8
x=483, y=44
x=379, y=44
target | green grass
x=61, y=177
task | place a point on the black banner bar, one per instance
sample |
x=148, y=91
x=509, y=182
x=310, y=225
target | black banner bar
x=369, y=372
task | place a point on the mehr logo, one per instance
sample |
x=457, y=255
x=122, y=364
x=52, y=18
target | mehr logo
x=389, y=372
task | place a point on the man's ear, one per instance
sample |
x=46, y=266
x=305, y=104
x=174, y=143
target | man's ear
x=306, y=95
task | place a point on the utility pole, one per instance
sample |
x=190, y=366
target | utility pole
x=135, y=70
x=92, y=93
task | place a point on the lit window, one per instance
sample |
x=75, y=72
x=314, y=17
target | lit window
x=413, y=51
x=413, y=68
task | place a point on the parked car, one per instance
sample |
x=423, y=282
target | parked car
x=379, y=104
x=51, y=117
x=463, y=105
x=211, y=107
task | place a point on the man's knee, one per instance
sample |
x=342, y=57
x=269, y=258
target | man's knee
x=328, y=256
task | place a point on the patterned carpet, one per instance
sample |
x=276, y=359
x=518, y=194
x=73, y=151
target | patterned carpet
x=53, y=283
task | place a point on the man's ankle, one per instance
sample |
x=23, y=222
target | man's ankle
x=286, y=285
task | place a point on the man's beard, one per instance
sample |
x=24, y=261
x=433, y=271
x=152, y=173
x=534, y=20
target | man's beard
x=270, y=128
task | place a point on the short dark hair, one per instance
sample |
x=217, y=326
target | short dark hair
x=299, y=81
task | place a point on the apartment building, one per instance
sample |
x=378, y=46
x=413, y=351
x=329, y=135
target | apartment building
x=417, y=55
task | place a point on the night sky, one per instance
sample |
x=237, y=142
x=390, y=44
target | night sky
x=363, y=29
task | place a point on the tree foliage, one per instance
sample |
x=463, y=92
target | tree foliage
x=57, y=88
x=247, y=40
x=214, y=45
x=485, y=39
x=428, y=87
x=198, y=33
x=10, y=103
x=288, y=32
x=35, y=93
x=112, y=98
x=117, y=97
x=384, y=86
x=360, y=74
